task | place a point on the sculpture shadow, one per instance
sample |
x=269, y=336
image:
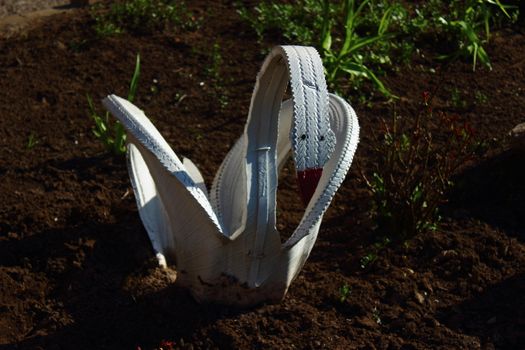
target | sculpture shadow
x=106, y=289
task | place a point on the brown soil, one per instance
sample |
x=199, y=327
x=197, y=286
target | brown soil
x=77, y=270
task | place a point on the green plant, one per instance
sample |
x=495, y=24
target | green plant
x=480, y=97
x=376, y=315
x=469, y=44
x=478, y=17
x=412, y=174
x=367, y=259
x=213, y=71
x=31, y=141
x=464, y=25
x=371, y=255
x=213, y=68
x=344, y=292
x=358, y=38
x=140, y=16
x=296, y=22
x=347, y=36
x=112, y=134
x=348, y=57
x=456, y=98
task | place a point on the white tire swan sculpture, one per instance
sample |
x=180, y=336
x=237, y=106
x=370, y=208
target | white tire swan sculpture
x=226, y=247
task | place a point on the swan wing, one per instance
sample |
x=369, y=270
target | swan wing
x=172, y=204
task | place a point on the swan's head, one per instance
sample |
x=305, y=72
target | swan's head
x=312, y=146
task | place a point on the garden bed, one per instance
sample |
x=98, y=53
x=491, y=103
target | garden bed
x=77, y=269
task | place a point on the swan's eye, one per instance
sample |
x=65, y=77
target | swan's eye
x=303, y=137
x=322, y=138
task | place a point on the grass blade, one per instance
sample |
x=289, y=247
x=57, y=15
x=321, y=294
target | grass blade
x=134, y=80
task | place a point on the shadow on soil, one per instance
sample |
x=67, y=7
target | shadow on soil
x=111, y=291
x=493, y=192
x=496, y=316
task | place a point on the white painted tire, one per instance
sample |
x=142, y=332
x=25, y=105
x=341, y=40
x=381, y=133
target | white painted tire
x=226, y=248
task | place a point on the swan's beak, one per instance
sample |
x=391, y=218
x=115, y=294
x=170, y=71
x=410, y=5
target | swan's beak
x=308, y=180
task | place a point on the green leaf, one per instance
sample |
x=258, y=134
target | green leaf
x=134, y=80
x=120, y=139
x=500, y=5
x=385, y=20
x=327, y=41
x=90, y=105
x=362, y=42
x=351, y=23
x=326, y=36
x=361, y=69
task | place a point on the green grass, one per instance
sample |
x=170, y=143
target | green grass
x=361, y=41
x=141, y=17
x=112, y=134
x=32, y=141
x=338, y=30
x=344, y=292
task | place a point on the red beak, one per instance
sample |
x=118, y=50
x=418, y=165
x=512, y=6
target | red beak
x=308, y=180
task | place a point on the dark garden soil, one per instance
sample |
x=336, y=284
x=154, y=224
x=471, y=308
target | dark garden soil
x=76, y=267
